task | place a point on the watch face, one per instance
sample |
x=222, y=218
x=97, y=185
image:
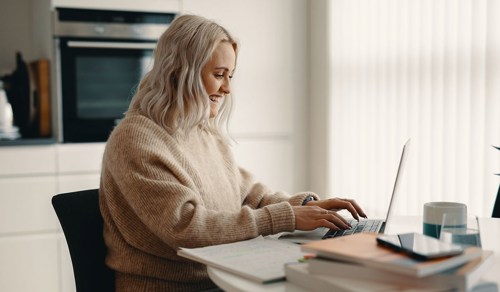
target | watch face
x=307, y=200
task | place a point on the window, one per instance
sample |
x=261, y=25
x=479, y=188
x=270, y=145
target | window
x=425, y=70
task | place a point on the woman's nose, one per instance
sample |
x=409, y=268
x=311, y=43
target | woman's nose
x=226, y=86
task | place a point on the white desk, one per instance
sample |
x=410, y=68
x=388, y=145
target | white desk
x=490, y=237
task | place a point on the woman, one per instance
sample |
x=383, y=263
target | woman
x=169, y=179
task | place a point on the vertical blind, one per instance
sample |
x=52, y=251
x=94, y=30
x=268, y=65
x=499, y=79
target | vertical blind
x=421, y=69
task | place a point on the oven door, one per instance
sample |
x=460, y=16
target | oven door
x=98, y=80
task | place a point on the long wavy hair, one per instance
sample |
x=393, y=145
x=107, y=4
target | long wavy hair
x=172, y=94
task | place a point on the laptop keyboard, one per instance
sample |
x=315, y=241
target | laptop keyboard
x=357, y=227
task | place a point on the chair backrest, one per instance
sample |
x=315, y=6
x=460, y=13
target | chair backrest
x=496, y=207
x=82, y=224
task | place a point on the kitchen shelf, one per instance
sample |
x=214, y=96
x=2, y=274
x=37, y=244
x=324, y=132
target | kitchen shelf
x=31, y=141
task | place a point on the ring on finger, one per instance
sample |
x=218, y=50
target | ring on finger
x=326, y=212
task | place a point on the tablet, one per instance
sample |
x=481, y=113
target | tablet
x=419, y=246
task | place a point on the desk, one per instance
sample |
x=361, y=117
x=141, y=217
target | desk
x=490, y=240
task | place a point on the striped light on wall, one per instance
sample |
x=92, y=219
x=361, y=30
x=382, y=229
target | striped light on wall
x=428, y=70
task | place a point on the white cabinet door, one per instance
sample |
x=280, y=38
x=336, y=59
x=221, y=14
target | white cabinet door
x=26, y=205
x=79, y=157
x=67, y=275
x=73, y=183
x=29, y=263
x=27, y=160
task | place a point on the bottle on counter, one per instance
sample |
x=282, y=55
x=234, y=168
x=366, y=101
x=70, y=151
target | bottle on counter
x=7, y=129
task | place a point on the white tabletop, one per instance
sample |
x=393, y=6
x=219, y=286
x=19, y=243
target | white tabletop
x=490, y=238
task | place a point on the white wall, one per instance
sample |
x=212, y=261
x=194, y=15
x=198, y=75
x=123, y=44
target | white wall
x=270, y=86
x=318, y=116
x=15, y=33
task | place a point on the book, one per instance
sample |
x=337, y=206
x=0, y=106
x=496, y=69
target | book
x=362, y=248
x=299, y=274
x=261, y=260
x=461, y=278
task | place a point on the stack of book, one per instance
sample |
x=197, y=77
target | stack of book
x=358, y=263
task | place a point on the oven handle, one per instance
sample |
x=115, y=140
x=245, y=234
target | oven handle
x=111, y=45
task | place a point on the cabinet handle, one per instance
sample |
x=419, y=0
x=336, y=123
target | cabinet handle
x=112, y=45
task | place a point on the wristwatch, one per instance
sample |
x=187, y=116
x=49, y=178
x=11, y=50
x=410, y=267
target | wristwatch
x=308, y=199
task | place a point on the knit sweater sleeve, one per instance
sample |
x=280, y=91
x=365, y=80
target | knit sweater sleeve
x=153, y=193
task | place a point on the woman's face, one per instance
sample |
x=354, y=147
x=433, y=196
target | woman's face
x=217, y=74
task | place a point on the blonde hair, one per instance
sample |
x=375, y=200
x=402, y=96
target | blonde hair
x=172, y=94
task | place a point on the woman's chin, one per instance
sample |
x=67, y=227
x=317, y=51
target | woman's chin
x=214, y=112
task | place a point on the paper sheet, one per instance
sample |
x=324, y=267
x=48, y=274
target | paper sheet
x=258, y=259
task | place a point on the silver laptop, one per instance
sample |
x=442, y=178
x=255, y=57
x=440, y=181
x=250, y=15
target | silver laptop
x=364, y=225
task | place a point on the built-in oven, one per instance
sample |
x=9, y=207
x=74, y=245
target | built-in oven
x=101, y=56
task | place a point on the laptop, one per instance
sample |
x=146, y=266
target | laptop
x=364, y=225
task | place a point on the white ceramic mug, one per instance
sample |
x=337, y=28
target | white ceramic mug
x=433, y=216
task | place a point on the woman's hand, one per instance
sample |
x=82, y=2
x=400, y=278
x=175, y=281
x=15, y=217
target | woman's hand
x=339, y=204
x=312, y=217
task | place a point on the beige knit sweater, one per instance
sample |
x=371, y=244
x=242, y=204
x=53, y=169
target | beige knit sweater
x=160, y=192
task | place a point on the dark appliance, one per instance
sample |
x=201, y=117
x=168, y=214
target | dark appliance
x=101, y=57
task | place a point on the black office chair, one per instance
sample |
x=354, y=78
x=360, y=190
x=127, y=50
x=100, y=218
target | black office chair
x=496, y=208
x=82, y=224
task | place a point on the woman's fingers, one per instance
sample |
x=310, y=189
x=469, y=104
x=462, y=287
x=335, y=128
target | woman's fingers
x=350, y=207
x=328, y=224
x=312, y=217
x=341, y=203
x=354, y=208
x=336, y=219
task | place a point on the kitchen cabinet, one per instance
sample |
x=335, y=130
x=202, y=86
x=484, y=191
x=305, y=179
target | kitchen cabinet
x=31, y=240
x=26, y=206
x=27, y=160
x=27, y=182
x=29, y=244
x=29, y=263
x=79, y=157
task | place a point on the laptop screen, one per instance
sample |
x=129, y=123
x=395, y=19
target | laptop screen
x=397, y=182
